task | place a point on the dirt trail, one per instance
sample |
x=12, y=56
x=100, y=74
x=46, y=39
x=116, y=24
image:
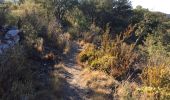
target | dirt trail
x=70, y=70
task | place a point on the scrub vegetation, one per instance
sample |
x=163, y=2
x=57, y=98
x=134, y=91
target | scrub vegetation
x=84, y=49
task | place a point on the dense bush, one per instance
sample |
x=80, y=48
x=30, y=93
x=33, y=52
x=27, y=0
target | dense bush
x=114, y=57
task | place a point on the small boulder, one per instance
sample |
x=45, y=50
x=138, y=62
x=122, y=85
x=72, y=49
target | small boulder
x=12, y=33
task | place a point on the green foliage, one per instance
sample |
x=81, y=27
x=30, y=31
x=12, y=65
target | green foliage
x=77, y=19
x=58, y=7
x=102, y=12
x=155, y=51
x=146, y=23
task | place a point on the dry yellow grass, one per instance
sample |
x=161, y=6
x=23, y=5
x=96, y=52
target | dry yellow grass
x=156, y=76
x=156, y=81
x=103, y=86
x=99, y=82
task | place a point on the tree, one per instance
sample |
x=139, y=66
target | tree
x=115, y=12
x=152, y=23
x=62, y=6
x=122, y=13
x=89, y=9
x=93, y=9
x=122, y=8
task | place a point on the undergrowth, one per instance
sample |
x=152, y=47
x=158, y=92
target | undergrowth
x=114, y=57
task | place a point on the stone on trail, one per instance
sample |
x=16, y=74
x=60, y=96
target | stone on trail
x=10, y=39
x=12, y=33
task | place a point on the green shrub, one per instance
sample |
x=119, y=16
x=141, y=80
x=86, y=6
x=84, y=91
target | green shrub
x=77, y=19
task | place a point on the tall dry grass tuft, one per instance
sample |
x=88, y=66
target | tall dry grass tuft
x=156, y=82
x=156, y=76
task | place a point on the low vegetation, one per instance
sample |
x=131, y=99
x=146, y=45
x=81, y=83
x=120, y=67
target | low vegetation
x=115, y=57
x=125, y=52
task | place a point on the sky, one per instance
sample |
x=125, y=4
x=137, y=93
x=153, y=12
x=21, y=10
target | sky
x=153, y=5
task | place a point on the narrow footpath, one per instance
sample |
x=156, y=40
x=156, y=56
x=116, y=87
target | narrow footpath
x=71, y=70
